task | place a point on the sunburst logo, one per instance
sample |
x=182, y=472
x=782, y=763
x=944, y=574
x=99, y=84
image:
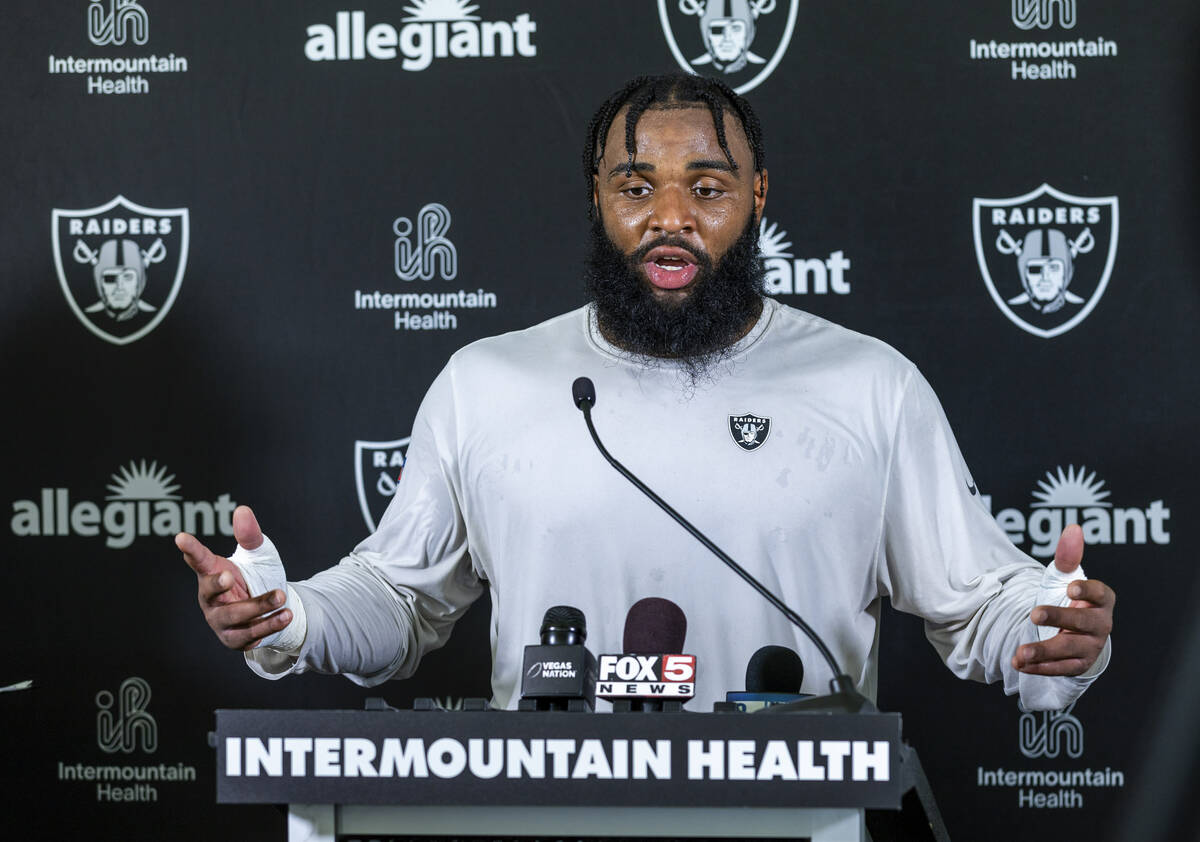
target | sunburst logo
x=142, y=482
x=786, y=276
x=430, y=30
x=772, y=240
x=441, y=10
x=1077, y=495
x=1070, y=488
x=142, y=500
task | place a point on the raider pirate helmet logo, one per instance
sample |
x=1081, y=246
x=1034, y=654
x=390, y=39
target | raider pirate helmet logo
x=120, y=265
x=1046, y=256
x=728, y=39
x=749, y=431
x=377, y=469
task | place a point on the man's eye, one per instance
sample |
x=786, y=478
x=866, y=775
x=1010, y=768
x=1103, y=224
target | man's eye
x=708, y=192
x=636, y=191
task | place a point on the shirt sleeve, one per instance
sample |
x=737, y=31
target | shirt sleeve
x=399, y=593
x=946, y=560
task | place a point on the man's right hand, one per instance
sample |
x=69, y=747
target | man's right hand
x=235, y=617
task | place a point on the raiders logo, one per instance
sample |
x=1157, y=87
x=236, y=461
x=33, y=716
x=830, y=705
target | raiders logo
x=729, y=39
x=749, y=431
x=1046, y=256
x=377, y=469
x=124, y=265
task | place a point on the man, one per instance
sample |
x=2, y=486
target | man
x=863, y=495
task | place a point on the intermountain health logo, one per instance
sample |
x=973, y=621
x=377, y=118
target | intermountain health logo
x=124, y=725
x=120, y=24
x=142, y=501
x=122, y=722
x=120, y=265
x=787, y=275
x=738, y=41
x=377, y=469
x=1046, y=256
x=1050, y=733
x=423, y=251
x=1034, y=60
x=1059, y=778
x=1077, y=495
x=432, y=29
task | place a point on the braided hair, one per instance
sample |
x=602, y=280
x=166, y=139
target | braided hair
x=674, y=90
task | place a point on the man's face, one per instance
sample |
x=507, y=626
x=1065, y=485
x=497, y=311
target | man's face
x=726, y=38
x=682, y=204
x=119, y=286
x=1045, y=277
x=674, y=270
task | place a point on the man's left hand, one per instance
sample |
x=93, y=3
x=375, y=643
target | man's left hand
x=1084, y=624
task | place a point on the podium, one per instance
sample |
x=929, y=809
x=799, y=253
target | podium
x=380, y=774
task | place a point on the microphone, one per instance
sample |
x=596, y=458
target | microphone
x=844, y=696
x=773, y=677
x=559, y=673
x=654, y=625
x=643, y=679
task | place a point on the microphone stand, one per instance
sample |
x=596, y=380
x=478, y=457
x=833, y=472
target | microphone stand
x=844, y=696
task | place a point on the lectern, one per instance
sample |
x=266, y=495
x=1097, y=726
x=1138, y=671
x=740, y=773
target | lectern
x=390, y=774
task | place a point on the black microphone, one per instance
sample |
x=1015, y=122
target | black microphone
x=653, y=674
x=654, y=625
x=773, y=677
x=559, y=673
x=844, y=694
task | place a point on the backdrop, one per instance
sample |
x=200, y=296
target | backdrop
x=243, y=238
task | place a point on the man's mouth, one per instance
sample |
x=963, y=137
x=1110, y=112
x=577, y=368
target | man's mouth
x=669, y=267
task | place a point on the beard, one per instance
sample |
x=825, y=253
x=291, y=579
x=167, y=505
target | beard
x=697, y=332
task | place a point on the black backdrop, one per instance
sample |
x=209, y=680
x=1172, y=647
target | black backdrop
x=248, y=371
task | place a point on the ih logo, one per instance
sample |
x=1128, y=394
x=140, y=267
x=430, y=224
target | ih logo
x=749, y=431
x=421, y=253
x=377, y=469
x=1049, y=733
x=125, y=265
x=1026, y=14
x=128, y=726
x=114, y=21
x=1046, y=256
x=729, y=38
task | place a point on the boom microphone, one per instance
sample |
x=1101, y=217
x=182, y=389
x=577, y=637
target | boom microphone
x=559, y=673
x=844, y=695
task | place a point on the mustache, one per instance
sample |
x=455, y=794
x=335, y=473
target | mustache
x=703, y=260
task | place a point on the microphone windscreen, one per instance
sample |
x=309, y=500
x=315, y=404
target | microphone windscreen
x=654, y=626
x=563, y=624
x=583, y=390
x=774, y=669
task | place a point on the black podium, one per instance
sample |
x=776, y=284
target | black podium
x=388, y=773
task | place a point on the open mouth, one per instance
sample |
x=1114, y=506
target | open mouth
x=669, y=267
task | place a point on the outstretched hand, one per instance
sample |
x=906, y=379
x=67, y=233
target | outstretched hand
x=1084, y=624
x=235, y=617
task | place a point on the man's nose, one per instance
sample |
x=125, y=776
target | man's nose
x=673, y=212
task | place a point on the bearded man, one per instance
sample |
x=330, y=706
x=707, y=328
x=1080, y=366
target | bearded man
x=855, y=493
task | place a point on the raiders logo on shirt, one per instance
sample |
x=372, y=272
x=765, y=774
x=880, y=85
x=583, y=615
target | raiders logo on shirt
x=749, y=431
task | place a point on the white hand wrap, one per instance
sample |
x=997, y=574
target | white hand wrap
x=1054, y=592
x=262, y=568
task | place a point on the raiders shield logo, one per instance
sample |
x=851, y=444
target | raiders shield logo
x=377, y=469
x=1046, y=257
x=749, y=431
x=738, y=41
x=120, y=265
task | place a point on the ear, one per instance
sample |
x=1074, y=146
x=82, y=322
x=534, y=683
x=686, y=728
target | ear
x=760, y=194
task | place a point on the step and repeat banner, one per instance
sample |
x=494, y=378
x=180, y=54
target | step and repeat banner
x=242, y=238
